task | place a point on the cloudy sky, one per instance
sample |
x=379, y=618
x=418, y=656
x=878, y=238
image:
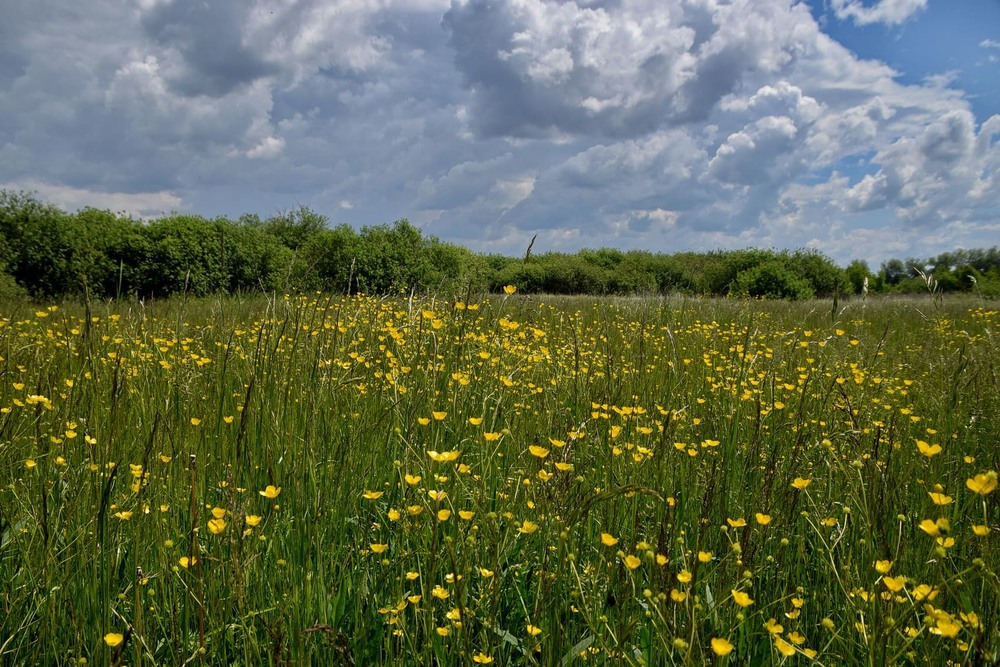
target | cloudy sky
x=866, y=129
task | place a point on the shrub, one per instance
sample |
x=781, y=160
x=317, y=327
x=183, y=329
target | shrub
x=772, y=280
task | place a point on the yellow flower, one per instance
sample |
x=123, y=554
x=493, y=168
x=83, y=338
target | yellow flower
x=423, y=421
x=393, y=514
x=800, y=483
x=443, y=457
x=982, y=483
x=124, y=516
x=540, y=452
x=412, y=480
x=481, y=658
x=216, y=526
x=491, y=436
x=410, y=576
x=440, y=593
x=934, y=528
x=705, y=556
x=475, y=421
x=509, y=289
x=439, y=416
x=187, y=562
x=218, y=512
x=270, y=492
x=564, y=467
x=677, y=596
x=195, y=421
x=252, y=519
x=228, y=419
x=946, y=627
x=29, y=464
x=773, y=627
x=784, y=648
x=544, y=475
x=528, y=527
x=466, y=515
x=721, y=647
x=113, y=639
x=762, y=519
x=737, y=523
x=632, y=562
x=378, y=548
x=741, y=598
x=484, y=573
x=534, y=630
x=684, y=577
x=608, y=539
x=894, y=584
x=444, y=515
x=928, y=450
x=980, y=530
x=883, y=566
x=939, y=498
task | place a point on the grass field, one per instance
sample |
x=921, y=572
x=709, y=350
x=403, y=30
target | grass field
x=514, y=480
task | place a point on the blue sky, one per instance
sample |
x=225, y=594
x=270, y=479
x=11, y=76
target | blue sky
x=863, y=129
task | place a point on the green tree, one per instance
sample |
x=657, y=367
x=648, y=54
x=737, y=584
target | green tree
x=773, y=280
x=857, y=273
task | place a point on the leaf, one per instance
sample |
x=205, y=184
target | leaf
x=574, y=652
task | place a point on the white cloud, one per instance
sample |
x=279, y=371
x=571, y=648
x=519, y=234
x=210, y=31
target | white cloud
x=538, y=68
x=657, y=124
x=268, y=148
x=139, y=204
x=890, y=12
x=749, y=156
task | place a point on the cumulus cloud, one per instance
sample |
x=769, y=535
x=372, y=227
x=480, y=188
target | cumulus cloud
x=138, y=204
x=889, y=12
x=542, y=69
x=938, y=177
x=658, y=124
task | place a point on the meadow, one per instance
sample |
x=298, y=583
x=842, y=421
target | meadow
x=508, y=480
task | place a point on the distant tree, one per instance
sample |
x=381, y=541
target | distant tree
x=823, y=275
x=296, y=227
x=857, y=272
x=772, y=280
x=893, y=271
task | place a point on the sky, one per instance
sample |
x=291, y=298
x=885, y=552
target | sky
x=863, y=129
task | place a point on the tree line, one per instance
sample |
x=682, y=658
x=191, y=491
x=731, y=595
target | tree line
x=48, y=253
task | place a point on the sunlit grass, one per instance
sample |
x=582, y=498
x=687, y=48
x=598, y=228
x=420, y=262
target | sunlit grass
x=520, y=480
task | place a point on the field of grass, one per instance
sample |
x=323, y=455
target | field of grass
x=515, y=481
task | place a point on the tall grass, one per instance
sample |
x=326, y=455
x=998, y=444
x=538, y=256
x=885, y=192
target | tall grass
x=357, y=481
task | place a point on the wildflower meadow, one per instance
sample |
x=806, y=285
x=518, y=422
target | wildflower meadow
x=507, y=480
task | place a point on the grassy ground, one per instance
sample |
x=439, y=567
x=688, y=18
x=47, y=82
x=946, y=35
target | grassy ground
x=517, y=481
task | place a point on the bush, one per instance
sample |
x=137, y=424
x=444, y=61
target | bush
x=772, y=280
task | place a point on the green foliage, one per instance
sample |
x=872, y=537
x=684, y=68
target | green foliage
x=48, y=253
x=857, y=272
x=772, y=280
